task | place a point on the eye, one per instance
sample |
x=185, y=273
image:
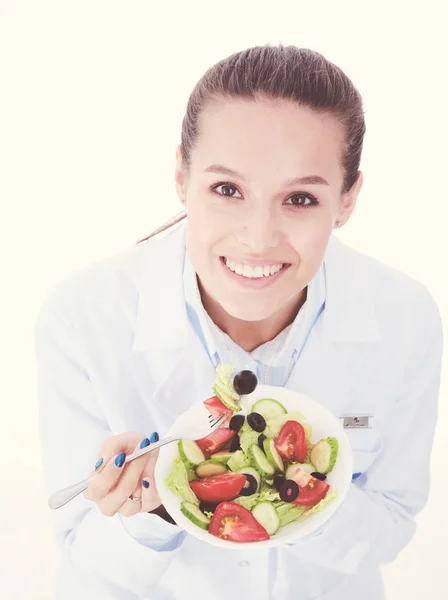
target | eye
x=228, y=190
x=302, y=200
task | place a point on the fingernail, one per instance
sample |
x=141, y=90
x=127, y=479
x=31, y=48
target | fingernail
x=145, y=483
x=119, y=461
x=154, y=437
x=145, y=443
x=98, y=463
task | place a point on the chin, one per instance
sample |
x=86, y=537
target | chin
x=248, y=313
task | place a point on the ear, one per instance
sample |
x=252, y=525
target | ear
x=348, y=201
x=179, y=176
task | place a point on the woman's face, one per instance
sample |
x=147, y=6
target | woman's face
x=255, y=237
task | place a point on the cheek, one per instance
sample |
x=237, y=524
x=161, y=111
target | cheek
x=201, y=238
x=311, y=240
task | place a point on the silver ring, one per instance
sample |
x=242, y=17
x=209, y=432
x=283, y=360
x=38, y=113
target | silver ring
x=132, y=499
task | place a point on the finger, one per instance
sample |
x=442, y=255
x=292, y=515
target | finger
x=110, y=464
x=107, y=478
x=124, y=487
x=129, y=508
x=145, y=489
x=150, y=495
x=112, y=446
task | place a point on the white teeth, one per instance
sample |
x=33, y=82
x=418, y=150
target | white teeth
x=248, y=271
x=252, y=272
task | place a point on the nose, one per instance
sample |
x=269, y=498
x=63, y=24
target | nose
x=259, y=231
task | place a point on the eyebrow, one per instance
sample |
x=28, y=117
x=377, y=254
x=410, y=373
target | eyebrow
x=307, y=180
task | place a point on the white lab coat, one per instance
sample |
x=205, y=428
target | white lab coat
x=115, y=353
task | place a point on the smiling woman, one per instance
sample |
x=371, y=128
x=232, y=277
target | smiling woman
x=285, y=127
x=267, y=167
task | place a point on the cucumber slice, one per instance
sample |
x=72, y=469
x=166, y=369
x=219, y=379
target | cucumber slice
x=260, y=462
x=273, y=456
x=269, y=408
x=227, y=400
x=190, y=453
x=254, y=473
x=195, y=515
x=209, y=468
x=324, y=455
x=267, y=516
x=305, y=467
x=223, y=456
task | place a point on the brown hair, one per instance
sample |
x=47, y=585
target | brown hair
x=279, y=72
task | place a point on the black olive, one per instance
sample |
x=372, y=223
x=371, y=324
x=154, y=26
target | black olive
x=279, y=480
x=319, y=476
x=257, y=422
x=207, y=507
x=235, y=444
x=245, y=382
x=236, y=422
x=261, y=439
x=289, y=491
x=250, y=487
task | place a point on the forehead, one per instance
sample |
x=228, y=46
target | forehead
x=265, y=138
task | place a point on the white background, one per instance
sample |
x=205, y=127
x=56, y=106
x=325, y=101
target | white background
x=92, y=95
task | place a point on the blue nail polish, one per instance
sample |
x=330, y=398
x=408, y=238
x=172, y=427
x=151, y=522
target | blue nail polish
x=98, y=463
x=144, y=443
x=119, y=461
x=145, y=483
x=154, y=437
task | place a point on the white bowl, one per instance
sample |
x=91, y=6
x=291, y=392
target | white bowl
x=324, y=424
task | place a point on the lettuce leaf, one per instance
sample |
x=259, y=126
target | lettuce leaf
x=329, y=498
x=288, y=513
x=238, y=461
x=178, y=481
x=248, y=501
x=248, y=437
x=268, y=493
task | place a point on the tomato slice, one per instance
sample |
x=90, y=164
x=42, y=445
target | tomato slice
x=216, y=408
x=311, y=490
x=237, y=524
x=219, y=487
x=215, y=441
x=291, y=442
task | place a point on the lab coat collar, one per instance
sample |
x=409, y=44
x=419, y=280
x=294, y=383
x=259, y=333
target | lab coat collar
x=162, y=320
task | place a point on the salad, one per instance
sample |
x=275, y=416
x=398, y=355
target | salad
x=258, y=472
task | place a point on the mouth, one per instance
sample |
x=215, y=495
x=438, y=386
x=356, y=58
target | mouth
x=258, y=274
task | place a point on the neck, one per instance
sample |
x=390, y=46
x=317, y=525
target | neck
x=252, y=334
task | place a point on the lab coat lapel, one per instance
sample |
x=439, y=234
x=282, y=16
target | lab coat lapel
x=331, y=360
x=180, y=371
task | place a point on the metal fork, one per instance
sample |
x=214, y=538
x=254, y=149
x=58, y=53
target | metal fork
x=195, y=432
